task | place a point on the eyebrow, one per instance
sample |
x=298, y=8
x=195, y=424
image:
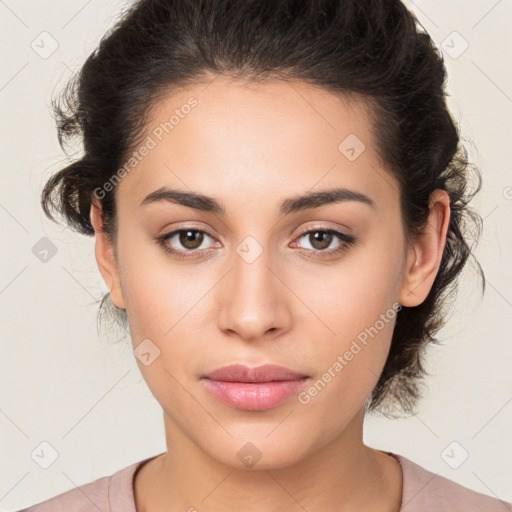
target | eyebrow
x=293, y=204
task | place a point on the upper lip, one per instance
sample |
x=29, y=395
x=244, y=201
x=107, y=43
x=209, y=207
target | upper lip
x=265, y=373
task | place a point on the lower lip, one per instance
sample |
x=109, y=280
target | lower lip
x=256, y=396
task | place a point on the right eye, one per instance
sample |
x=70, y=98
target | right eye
x=190, y=239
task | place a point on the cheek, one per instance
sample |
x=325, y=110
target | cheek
x=165, y=303
x=161, y=304
x=356, y=310
x=351, y=296
x=158, y=291
x=350, y=363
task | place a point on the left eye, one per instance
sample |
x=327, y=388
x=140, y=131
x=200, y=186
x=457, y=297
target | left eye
x=321, y=239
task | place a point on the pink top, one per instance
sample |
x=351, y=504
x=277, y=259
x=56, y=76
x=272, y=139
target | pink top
x=422, y=491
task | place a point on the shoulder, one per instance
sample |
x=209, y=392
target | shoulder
x=112, y=493
x=424, y=490
x=93, y=495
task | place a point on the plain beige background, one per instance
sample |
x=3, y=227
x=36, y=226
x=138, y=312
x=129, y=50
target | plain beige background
x=66, y=385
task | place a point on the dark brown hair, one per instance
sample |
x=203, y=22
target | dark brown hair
x=375, y=49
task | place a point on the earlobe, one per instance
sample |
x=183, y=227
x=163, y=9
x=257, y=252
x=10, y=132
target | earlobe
x=105, y=257
x=426, y=251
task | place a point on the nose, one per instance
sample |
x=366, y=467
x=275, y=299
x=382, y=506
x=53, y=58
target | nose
x=253, y=301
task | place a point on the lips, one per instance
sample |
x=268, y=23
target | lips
x=265, y=373
x=254, y=389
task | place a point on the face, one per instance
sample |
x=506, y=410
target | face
x=249, y=274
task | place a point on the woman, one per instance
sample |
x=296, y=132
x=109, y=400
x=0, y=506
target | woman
x=278, y=196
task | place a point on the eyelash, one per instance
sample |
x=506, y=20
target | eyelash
x=346, y=239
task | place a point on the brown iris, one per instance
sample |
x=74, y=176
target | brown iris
x=324, y=239
x=190, y=237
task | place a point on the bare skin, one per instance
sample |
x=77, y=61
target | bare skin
x=297, y=304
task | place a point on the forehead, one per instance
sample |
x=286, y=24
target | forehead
x=256, y=139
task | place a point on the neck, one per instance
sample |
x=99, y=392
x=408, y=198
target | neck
x=343, y=475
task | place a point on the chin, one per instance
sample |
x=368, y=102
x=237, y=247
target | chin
x=259, y=455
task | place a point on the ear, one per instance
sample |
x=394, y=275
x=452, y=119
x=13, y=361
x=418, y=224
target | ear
x=426, y=251
x=105, y=256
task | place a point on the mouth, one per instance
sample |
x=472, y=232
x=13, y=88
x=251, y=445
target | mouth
x=254, y=389
x=264, y=373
